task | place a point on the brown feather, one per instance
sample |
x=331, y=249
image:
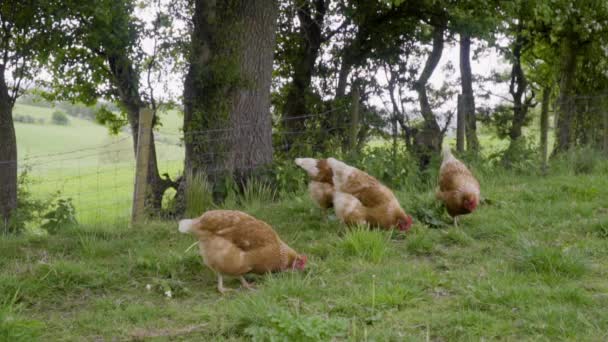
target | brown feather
x=235, y=243
x=455, y=183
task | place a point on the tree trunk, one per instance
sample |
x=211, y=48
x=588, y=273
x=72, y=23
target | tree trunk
x=468, y=98
x=8, y=156
x=566, y=103
x=250, y=113
x=307, y=52
x=227, y=124
x=604, y=113
x=460, y=124
x=429, y=139
x=544, y=127
x=517, y=88
x=126, y=81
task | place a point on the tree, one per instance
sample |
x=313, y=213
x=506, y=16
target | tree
x=29, y=30
x=298, y=50
x=430, y=138
x=104, y=60
x=471, y=19
x=227, y=123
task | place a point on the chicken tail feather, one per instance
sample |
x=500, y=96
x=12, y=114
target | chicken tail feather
x=309, y=165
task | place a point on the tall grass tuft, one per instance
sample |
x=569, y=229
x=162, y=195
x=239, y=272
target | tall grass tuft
x=199, y=194
x=370, y=245
x=13, y=327
x=550, y=261
x=257, y=192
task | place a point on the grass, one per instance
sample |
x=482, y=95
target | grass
x=528, y=266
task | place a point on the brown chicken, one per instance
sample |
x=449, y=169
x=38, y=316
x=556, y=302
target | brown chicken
x=233, y=243
x=458, y=188
x=321, y=185
x=360, y=198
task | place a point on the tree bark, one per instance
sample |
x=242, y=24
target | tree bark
x=544, y=127
x=430, y=138
x=517, y=88
x=566, y=103
x=250, y=113
x=460, y=124
x=227, y=123
x=307, y=52
x=468, y=98
x=8, y=155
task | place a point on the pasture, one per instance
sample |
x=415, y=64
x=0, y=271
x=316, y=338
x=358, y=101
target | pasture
x=528, y=265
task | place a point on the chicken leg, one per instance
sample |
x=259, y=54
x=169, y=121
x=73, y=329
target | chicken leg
x=246, y=284
x=220, y=285
x=455, y=221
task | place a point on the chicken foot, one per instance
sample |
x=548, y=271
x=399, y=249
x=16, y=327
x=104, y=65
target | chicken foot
x=246, y=284
x=220, y=285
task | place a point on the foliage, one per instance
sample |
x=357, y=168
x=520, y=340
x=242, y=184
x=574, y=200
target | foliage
x=60, y=118
x=29, y=207
x=61, y=214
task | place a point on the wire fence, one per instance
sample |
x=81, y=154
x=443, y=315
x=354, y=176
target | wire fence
x=99, y=180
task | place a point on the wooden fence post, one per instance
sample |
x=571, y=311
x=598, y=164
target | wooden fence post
x=144, y=135
x=460, y=123
x=354, y=122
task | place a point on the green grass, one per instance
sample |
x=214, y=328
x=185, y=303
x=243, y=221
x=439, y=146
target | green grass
x=529, y=266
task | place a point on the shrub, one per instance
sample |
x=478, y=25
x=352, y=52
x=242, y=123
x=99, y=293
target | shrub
x=28, y=208
x=62, y=214
x=28, y=119
x=60, y=118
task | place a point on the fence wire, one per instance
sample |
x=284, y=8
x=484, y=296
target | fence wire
x=99, y=180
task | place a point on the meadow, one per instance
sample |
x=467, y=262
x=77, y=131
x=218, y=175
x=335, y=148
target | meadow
x=528, y=265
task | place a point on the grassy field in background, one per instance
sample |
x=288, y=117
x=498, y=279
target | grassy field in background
x=86, y=163
x=530, y=265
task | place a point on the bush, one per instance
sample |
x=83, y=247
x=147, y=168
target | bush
x=62, y=214
x=60, y=118
x=28, y=119
x=53, y=212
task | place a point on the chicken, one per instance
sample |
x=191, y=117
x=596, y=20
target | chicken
x=458, y=188
x=233, y=243
x=360, y=198
x=321, y=185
